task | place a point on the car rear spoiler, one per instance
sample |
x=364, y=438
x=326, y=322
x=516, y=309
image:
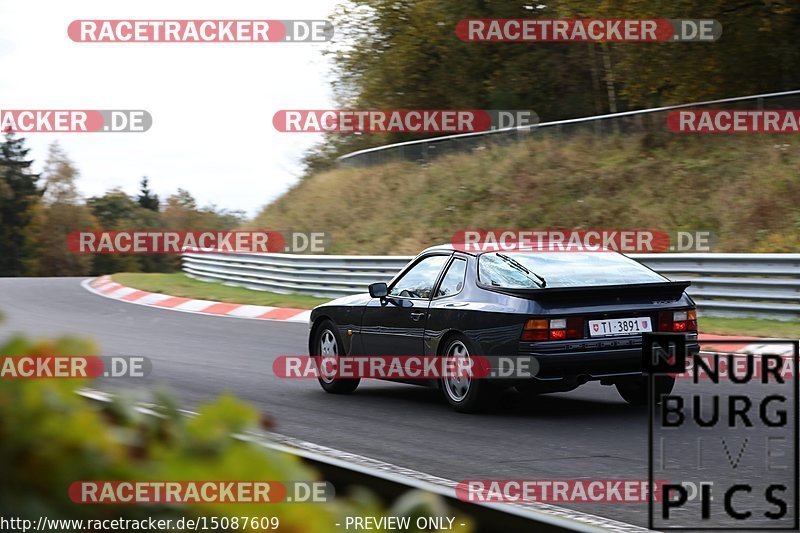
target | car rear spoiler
x=668, y=290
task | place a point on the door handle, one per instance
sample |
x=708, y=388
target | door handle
x=416, y=316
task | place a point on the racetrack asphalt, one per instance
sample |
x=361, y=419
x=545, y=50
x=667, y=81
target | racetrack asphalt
x=587, y=433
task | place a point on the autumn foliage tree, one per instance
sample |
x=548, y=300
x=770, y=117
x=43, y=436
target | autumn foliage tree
x=63, y=213
x=404, y=54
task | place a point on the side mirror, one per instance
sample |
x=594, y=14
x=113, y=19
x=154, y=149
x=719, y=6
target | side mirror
x=378, y=290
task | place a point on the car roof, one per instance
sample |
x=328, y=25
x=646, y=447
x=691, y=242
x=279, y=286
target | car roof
x=445, y=248
x=450, y=248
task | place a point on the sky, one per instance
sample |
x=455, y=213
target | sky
x=212, y=103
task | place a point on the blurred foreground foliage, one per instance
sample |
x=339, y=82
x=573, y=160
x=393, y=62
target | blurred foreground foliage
x=51, y=437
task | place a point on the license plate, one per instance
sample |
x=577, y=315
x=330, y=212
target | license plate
x=619, y=326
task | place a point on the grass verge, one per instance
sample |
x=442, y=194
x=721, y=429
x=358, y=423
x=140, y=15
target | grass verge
x=179, y=284
x=749, y=327
x=724, y=184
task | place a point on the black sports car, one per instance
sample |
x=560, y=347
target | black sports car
x=576, y=316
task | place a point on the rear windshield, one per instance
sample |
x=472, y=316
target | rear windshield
x=530, y=270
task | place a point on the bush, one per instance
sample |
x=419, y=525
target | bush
x=51, y=437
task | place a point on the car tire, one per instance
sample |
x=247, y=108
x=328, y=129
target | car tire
x=464, y=394
x=635, y=391
x=328, y=343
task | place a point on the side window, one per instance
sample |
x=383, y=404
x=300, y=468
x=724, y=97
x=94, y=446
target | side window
x=453, y=280
x=418, y=282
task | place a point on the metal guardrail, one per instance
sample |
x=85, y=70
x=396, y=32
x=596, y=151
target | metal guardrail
x=317, y=275
x=734, y=285
x=424, y=150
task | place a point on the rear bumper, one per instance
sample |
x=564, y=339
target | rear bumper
x=585, y=360
x=595, y=364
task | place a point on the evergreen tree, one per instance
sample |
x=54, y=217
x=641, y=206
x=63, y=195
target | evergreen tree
x=146, y=198
x=19, y=199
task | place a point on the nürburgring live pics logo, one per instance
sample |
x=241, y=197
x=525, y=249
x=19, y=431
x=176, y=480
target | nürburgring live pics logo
x=726, y=440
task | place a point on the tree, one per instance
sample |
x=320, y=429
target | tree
x=116, y=211
x=146, y=199
x=112, y=208
x=182, y=214
x=755, y=54
x=62, y=214
x=19, y=197
x=59, y=177
x=404, y=54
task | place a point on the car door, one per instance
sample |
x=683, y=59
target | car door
x=446, y=310
x=395, y=325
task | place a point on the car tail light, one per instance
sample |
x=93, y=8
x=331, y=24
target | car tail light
x=677, y=321
x=555, y=329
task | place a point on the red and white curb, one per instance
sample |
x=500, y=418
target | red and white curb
x=104, y=286
x=752, y=345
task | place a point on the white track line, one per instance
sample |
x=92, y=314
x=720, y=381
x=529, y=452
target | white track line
x=554, y=514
